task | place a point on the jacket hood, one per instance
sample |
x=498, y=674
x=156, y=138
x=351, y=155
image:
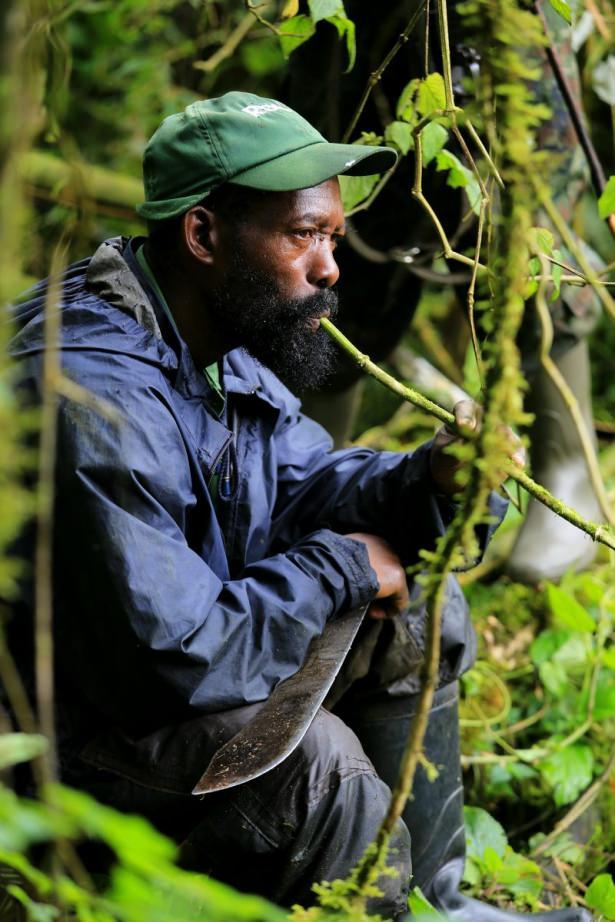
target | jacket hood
x=108, y=306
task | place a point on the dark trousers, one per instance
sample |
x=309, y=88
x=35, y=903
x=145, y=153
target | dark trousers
x=312, y=817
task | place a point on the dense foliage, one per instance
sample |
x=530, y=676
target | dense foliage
x=83, y=83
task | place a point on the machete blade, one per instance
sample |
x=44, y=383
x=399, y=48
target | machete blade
x=285, y=717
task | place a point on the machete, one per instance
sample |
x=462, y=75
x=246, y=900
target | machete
x=286, y=715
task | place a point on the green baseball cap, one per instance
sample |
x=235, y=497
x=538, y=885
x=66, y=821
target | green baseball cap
x=246, y=140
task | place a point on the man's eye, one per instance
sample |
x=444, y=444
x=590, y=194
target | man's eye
x=304, y=232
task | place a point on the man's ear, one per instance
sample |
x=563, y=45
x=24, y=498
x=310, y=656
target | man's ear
x=200, y=233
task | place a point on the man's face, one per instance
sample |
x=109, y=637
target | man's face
x=277, y=274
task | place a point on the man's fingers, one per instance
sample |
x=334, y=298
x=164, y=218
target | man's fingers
x=377, y=612
x=467, y=415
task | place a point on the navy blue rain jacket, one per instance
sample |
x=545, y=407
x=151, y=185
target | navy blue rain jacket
x=166, y=599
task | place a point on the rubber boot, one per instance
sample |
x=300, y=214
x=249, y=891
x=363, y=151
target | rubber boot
x=547, y=546
x=434, y=815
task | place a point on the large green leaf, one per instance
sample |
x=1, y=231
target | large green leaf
x=568, y=611
x=568, y=772
x=600, y=895
x=431, y=95
x=483, y=832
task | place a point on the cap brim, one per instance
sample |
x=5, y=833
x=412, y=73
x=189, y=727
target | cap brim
x=309, y=166
x=300, y=169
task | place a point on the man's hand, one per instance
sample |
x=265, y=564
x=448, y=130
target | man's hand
x=444, y=466
x=391, y=577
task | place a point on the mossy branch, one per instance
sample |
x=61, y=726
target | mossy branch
x=598, y=532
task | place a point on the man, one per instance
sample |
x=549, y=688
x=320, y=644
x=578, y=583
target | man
x=207, y=537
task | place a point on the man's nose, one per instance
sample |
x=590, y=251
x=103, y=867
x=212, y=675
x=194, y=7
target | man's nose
x=324, y=271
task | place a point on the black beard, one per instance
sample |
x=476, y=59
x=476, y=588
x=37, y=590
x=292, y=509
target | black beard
x=275, y=330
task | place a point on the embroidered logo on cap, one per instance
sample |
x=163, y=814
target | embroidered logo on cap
x=256, y=111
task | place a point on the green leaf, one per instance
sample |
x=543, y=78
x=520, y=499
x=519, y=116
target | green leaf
x=20, y=747
x=406, y=108
x=370, y=139
x=355, y=189
x=433, y=139
x=568, y=611
x=491, y=860
x=547, y=643
x=133, y=839
x=554, y=678
x=606, y=202
x=295, y=32
x=483, y=832
x=459, y=176
x=431, y=95
x=540, y=238
x=562, y=7
x=420, y=907
x=399, y=134
x=521, y=876
x=323, y=9
x=346, y=29
x=563, y=847
x=600, y=895
x=568, y=772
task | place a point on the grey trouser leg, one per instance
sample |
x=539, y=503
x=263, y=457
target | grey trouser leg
x=306, y=821
x=311, y=818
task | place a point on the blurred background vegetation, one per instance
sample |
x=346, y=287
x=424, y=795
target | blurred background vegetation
x=83, y=84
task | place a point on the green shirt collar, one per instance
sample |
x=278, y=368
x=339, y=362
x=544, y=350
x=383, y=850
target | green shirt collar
x=212, y=372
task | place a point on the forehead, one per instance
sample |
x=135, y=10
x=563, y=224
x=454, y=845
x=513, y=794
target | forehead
x=321, y=205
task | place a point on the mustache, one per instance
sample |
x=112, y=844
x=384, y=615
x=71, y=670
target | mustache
x=297, y=311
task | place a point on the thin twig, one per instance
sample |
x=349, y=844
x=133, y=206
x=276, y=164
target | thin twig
x=44, y=534
x=470, y=295
x=596, y=531
x=363, y=206
x=376, y=75
x=230, y=45
x=254, y=10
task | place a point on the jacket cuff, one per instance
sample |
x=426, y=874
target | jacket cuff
x=361, y=581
